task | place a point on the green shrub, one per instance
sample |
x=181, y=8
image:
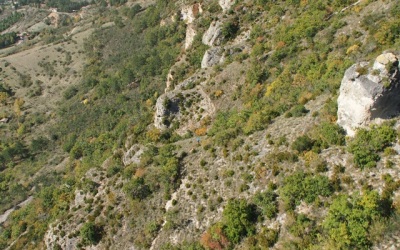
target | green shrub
x=113, y=170
x=39, y=144
x=90, y=233
x=349, y=220
x=283, y=156
x=214, y=7
x=196, y=53
x=301, y=186
x=303, y=143
x=266, y=202
x=304, y=228
x=230, y=29
x=367, y=144
x=328, y=134
x=238, y=219
x=70, y=92
x=137, y=189
x=297, y=111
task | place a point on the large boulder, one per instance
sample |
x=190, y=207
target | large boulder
x=167, y=105
x=212, y=56
x=213, y=35
x=369, y=93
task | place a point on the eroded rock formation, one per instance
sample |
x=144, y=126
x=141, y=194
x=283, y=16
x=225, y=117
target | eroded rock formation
x=188, y=15
x=183, y=108
x=369, y=93
x=213, y=36
x=213, y=56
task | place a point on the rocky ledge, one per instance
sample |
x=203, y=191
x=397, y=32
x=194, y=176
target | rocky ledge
x=369, y=93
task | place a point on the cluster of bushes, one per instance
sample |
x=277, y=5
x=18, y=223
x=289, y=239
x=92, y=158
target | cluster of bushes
x=351, y=218
x=61, y=5
x=90, y=233
x=10, y=151
x=302, y=186
x=368, y=143
x=382, y=28
x=10, y=20
x=323, y=136
x=124, y=77
x=163, y=171
x=266, y=203
x=230, y=124
x=8, y=39
x=120, y=87
x=237, y=222
x=6, y=89
x=272, y=89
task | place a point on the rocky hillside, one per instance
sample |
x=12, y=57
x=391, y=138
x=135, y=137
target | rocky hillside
x=201, y=125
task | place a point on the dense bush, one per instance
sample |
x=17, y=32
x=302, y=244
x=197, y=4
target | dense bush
x=238, y=220
x=39, y=144
x=8, y=39
x=196, y=53
x=304, y=187
x=7, y=22
x=349, y=220
x=90, y=233
x=266, y=202
x=264, y=239
x=329, y=134
x=137, y=189
x=305, y=229
x=303, y=143
x=368, y=143
x=297, y=111
x=230, y=29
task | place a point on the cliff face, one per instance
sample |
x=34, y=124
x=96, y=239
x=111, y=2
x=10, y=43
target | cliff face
x=368, y=93
x=188, y=15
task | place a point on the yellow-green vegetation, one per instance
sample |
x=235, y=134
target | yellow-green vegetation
x=367, y=144
x=267, y=167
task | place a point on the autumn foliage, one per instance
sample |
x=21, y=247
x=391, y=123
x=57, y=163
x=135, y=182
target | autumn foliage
x=214, y=238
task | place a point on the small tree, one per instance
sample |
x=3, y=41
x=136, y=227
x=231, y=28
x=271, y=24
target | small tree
x=266, y=202
x=238, y=219
x=137, y=189
x=349, y=220
x=303, y=143
x=230, y=29
x=90, y=233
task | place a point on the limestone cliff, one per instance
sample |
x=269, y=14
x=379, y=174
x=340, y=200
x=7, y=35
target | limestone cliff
x=368, y=93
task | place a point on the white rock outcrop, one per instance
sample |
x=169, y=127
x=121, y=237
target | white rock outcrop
x=184, y=107
x=212, y=57
x=190, y=12
x=190, y=34
x=226, y=4
x=170, y=79
x=369, y=93
x=188, y=15
x=213, y=35
x=133, y=155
